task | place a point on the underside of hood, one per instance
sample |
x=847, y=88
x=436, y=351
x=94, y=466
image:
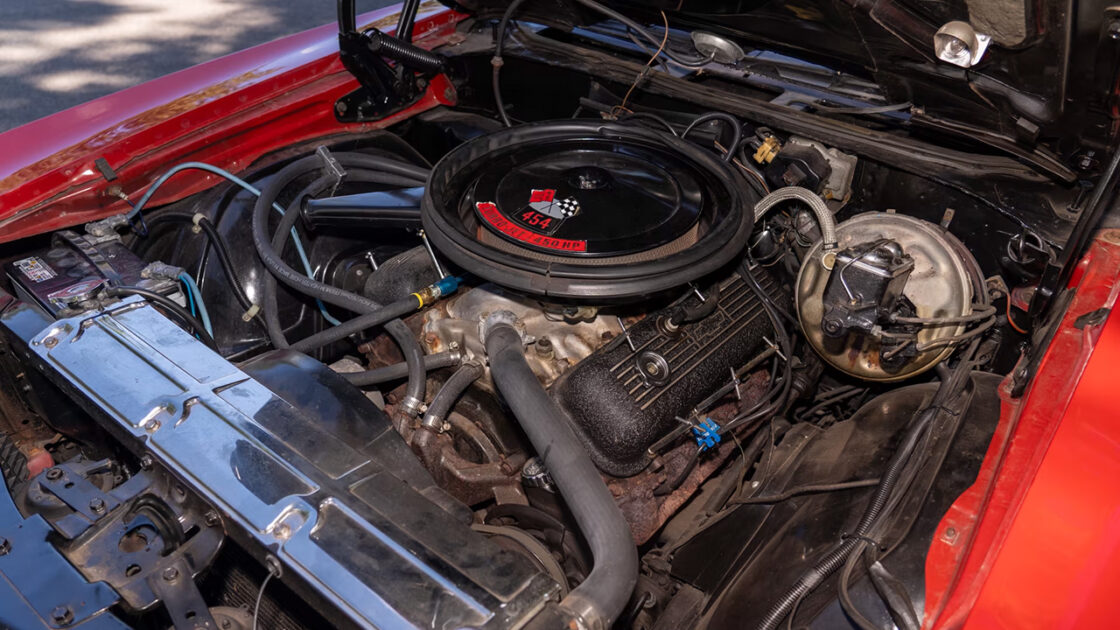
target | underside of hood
x=1026, y=72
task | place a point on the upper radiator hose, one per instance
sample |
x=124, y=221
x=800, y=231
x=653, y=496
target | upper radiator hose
x=598, y=601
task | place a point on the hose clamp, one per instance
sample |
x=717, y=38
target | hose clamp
x=410, y=405
x=498, y=318
x=584, y=614
x=432, y=423
x=455, y=351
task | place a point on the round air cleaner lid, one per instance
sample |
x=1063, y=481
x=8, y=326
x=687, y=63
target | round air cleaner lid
x=584, y=209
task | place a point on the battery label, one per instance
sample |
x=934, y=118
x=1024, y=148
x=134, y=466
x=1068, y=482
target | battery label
x=35, y=269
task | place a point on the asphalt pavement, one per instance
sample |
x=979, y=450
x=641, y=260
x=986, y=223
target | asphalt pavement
x=55, y=54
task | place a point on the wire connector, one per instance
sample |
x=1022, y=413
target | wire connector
x=706, y=434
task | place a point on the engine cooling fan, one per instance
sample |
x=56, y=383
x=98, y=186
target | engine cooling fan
x=586, y=210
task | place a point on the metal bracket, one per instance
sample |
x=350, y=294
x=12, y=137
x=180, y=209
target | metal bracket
x=139, y=531
x=69, y=483
x=180, y=595
x=332, y=168
x=385, y=88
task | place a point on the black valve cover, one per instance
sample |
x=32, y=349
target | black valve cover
x=619, y=413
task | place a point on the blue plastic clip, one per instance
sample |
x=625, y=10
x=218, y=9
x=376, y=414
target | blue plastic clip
x=707, y=434
x=447, y=285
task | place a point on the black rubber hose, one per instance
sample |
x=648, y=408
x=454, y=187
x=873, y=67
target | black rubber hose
x=397, y=371
x=279, y=239
x=171, y=307
x=385, y=165
x=387, y=313
x=410, y=347
x=449, y=394
x=336, y=333
x=736, y=130
x=226, y=262
x=219, y=245
x=601, y=597
x=272, y=261
x=268, y=294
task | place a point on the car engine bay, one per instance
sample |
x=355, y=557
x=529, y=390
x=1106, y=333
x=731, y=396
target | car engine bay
x=654, y=364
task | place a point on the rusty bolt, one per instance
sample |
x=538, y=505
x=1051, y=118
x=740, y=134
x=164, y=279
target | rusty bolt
x=212, y=518
x=170, y=574
x=62, y=615
x=50, y=342
x=544, y=347
x=97, y=505
x=54, y=474
x=5, y=546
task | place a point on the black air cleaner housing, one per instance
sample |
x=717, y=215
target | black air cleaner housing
x=586, y=210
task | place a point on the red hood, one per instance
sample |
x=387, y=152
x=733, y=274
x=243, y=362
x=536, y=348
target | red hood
x=228, y=112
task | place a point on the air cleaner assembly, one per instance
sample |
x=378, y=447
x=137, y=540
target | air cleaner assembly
x=586, y=210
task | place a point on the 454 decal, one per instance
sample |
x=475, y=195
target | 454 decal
x=491, y=215
x=544, y=212
x=535, y=222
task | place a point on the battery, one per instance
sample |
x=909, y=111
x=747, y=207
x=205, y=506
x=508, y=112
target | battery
x=67, y=278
